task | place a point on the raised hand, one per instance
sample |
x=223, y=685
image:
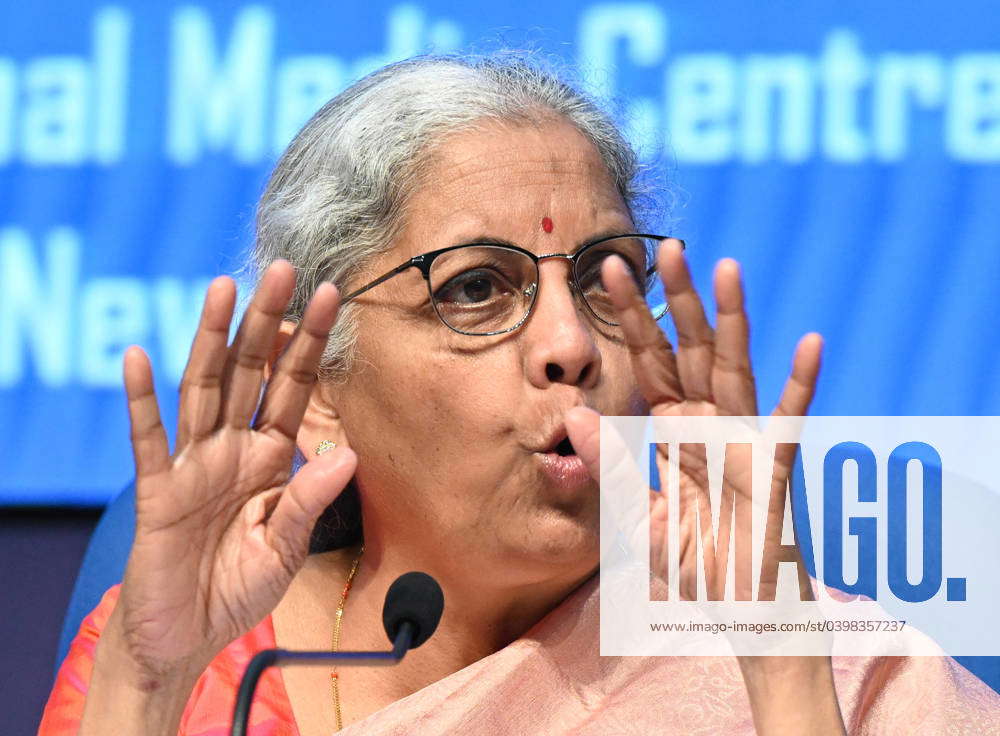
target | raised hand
x=710, y=374
x=220, y=530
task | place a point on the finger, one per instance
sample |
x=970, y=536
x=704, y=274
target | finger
x=801, y=384
x=733, y=386
x=653, y=361
x=150, y=447
x=583, y=427
x=659, y=508
x=200, y=394
x=695, y=337
x=289, y=389
x=244, y=370
x=799, y=390
x=314, y=487
x=620, y=476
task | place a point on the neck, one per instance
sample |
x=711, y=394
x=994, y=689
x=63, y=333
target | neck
x=483, y=613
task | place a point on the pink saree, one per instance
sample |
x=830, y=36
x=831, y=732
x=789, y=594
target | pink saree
x=552, y=681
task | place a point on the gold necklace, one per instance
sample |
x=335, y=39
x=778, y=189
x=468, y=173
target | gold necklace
x=336, y=632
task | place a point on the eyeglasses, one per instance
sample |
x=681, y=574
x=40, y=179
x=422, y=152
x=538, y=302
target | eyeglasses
x=490, y=288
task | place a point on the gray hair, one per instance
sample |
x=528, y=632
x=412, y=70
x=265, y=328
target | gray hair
x=337, y=195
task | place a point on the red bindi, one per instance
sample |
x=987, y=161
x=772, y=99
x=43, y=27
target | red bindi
x=547, y=224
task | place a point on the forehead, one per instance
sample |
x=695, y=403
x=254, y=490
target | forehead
x=546, y=149
x=503, y=179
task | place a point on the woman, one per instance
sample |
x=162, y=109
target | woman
x=457, y=391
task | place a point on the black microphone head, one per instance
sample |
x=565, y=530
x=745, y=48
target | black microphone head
x=415, y=597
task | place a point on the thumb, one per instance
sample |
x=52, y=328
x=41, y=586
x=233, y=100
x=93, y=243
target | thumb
x=311, y=490
x=583, y=426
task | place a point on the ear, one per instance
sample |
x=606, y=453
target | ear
x=321, y=420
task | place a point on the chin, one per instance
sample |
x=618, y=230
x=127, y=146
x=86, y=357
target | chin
x=561, y=539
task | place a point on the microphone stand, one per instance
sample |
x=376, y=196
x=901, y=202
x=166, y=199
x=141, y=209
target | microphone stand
x=274, y=657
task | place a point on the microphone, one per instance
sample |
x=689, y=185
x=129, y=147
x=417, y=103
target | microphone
x=410, y=614
x=413, y=606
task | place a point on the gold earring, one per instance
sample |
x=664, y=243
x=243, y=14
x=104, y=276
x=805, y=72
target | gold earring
x=325, y=446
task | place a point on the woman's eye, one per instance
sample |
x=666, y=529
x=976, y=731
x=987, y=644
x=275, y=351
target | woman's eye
x=471, y=287
x=590, y=278
x=589, y=275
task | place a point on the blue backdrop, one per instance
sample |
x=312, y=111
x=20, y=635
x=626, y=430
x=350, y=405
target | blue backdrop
x=847, y=157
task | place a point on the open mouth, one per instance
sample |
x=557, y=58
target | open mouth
x=564, y=448
x=564, y=468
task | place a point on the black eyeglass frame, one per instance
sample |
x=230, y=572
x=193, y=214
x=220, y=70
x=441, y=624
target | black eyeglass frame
x=424, y=261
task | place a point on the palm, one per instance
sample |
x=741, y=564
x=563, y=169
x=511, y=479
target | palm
x=220, y=530
x=709, y=375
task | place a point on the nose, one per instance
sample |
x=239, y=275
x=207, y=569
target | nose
x=559, y=336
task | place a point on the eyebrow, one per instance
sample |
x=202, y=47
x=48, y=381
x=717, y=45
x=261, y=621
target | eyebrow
x=491, y=240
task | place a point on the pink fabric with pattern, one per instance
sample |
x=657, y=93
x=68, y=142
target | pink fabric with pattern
x=552, y=681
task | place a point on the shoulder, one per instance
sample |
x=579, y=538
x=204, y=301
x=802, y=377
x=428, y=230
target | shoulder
x=209, y=708
x=918, y=694
x=64, y=708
